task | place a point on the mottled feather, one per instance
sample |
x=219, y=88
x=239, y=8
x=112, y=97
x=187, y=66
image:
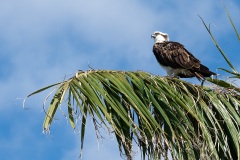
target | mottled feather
x=174, y=55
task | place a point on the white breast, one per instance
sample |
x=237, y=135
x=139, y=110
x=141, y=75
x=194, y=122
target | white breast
x=173, y=72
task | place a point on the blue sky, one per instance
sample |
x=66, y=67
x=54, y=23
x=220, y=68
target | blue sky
x=43, y=41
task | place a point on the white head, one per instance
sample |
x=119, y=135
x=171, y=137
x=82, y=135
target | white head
x=160, y=37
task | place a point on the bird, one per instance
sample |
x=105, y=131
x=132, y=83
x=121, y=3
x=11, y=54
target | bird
x=176, y=59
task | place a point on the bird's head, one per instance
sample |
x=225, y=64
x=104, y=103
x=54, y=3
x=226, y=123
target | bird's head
x=160, y=37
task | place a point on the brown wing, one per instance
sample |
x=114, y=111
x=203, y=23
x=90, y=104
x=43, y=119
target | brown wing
x=174, y=55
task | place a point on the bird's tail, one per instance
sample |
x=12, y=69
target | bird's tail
x=203, y=72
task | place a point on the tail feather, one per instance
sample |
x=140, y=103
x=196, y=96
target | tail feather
x=200, y=73
x=203, y=72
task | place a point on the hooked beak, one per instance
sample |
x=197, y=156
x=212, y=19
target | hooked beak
x=152, y=36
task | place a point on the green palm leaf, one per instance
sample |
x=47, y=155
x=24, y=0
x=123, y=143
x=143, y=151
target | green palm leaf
x=231, y=21
x=218, y=47
x=163, y=116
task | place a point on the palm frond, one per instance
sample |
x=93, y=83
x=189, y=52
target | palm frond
x=218, y=47
x=162, y=116
x=231, y=21
x=224, y=84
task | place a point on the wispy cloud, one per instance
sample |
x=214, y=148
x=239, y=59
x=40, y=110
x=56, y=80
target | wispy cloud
x=42, y=41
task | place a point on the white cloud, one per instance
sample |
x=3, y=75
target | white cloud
x=42, y=41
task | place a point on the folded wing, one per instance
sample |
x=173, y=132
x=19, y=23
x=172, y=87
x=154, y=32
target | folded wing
x=174, y=55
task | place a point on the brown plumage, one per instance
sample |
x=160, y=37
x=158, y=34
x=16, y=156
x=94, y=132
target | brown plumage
x=176, y=60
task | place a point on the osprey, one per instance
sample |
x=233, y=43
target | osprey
x=176, y=60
